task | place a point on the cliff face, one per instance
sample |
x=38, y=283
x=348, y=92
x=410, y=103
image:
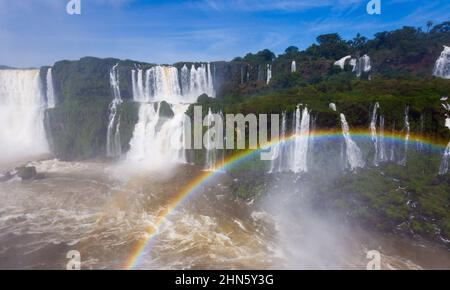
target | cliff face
x=401, y=67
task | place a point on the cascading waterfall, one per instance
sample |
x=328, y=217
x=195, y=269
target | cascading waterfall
x=213, y=157
x=373, y=130
x=341, y=63
x=269, y=73
x=301, y=143
x=185, y=80
x=354, y=155
x=113, y=143
x=442, y=66
x=362, y=65
x=382, y=155
x=392, y=147
x=407, y=130
x=378, y=136
x=22, y=110
x=158, y=141
x=293, y=156
x=211, y=152
x=164, y=83
x=444, y=168
x=293, y=66
x=138, y=86
x=51, y=100
x=278, y=151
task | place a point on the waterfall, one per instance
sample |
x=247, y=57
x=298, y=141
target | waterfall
x=279, y=149
x=211, y=151
x=301, y=142
x=333, y=107
x=158, y=141
x=407, y=130
x=269, y=73
x=51, y=100
x=185, y=80
x=164, y=83
x=138, y=86
x=442, y=66
x=293, y=66
x=341, y=63
x=22, y=109
x=444, y=168
x=378, y=136
x=362, y=65
x=373, y=130
x=354, y=154
x=293, y=156
x=392, y=146
x=113, y=144
x=201, y=82
x=352, y=63
x=382, y=155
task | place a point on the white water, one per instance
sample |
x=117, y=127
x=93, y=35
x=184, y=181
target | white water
x=157, y=141
x=354, y=155
x=378, y=136
x=293, y=66
x=212, y=152
x=353, y=62
x=269, y=73
x=444, y=169
x=407, y=130
x=362, y=65
x=301, y=147
x=341, y=62
x=382, y=155
x=113, y=144
x=293, y=156
x=373, y=131
x=333, y=107
x=22, y=107
x=164, y=83
x=51, y=100
x=442, y=66
x=279, y=149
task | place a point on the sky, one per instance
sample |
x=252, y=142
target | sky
x=40, y=32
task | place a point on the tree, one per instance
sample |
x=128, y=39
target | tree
x=332, y=46
x=441, y=28
x=358, y=42
x=291, y=50
x=260, y=57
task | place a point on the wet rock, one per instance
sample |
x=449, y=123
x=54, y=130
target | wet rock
x=27, y=173
x=5, y=177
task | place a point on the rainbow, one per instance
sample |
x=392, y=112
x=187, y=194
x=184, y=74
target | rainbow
x=143, y=247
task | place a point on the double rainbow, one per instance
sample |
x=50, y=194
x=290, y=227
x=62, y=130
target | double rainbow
x=143, y=247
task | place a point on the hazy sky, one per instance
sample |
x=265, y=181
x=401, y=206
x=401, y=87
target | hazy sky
x=40, y=32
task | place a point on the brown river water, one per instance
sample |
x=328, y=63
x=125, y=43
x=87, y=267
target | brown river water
x=92, y=208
